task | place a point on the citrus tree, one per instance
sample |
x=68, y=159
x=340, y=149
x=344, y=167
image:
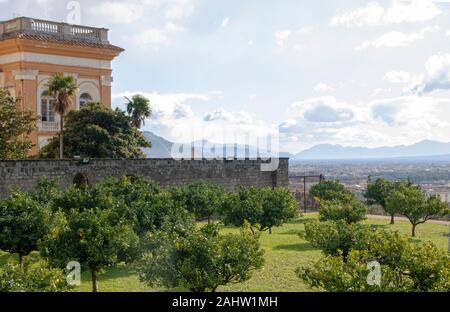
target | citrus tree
x=89, y=236
x=24, y=222
x=412, y=202
x=263, y=209
x=201, y=260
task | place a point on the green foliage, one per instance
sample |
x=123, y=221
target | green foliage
x=337, y=202
x=15, y=127
x=23, y=222
x=244, y=206
x=84, y=199
x=350, y=212
x=331, y=191
x=144, y=204
x=32, y=279
x=62, y=88
x=279, y=206
x=377, y=193
x=91, y=236
x=202, y=260
x=335, y=238
x=404, y=267
x=202, y=199
x=261, y=208
x=96, y=131
x=46, y=191
x=412, y=202
x=138, y=107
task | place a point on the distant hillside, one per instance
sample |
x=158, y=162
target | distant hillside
x=329, y=151
x=161, y=148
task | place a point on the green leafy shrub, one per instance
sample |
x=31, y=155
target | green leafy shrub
x=200, y=260
x=144, y=204
x=24, y=222
x=202, y=199
x=93, y=237
x=331, y=191
x=335, y=237
x=350, y=212
x=404, y=266
x=261, y=208
x=39, y=278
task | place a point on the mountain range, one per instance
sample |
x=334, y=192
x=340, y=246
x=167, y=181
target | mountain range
x=161, y=148
x=420, y=149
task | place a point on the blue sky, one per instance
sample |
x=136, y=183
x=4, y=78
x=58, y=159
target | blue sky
x=360, y=73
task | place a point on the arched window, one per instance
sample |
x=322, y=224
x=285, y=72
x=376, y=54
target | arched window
x=47, y=107
x=85, y=99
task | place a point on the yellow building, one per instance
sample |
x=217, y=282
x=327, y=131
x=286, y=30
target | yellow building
x=31, y=50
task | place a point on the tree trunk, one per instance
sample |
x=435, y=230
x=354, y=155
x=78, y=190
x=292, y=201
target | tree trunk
x=94, y=281
x=61, y=154
x=392, y=219
x=413, y=232
x=270, y=230
x=449, y=241
x=21, y=262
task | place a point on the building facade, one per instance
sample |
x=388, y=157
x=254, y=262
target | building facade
x=31, y=50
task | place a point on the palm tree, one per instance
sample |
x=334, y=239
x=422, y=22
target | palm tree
x=62, y=88
x=139, y=109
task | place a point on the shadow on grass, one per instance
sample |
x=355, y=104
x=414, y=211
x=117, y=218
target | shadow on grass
x=295, y=247
x=290, y=232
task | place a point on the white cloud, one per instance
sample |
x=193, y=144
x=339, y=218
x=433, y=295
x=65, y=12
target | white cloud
x=375, y=14
x=166, y=107
x=437, y=75
x=448, y=33
x=397, y=77
x=178, y=9
x=281, y=37
x=412, y=111
x=397, y=39
x=225, y=22
x=389, y=121
x=232, y=117
x=324, y=109
x=323, y=87
x=155, y=37
x=327, y=87
x=151, y=36
x=118, y=12
x=306, y=30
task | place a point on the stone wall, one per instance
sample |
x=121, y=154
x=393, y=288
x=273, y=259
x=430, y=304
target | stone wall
x=24, y=174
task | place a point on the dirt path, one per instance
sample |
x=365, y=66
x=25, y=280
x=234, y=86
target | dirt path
x=405, y=219
x=442, y=222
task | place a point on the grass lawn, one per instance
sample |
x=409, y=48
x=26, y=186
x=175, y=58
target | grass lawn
x=284, y=252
